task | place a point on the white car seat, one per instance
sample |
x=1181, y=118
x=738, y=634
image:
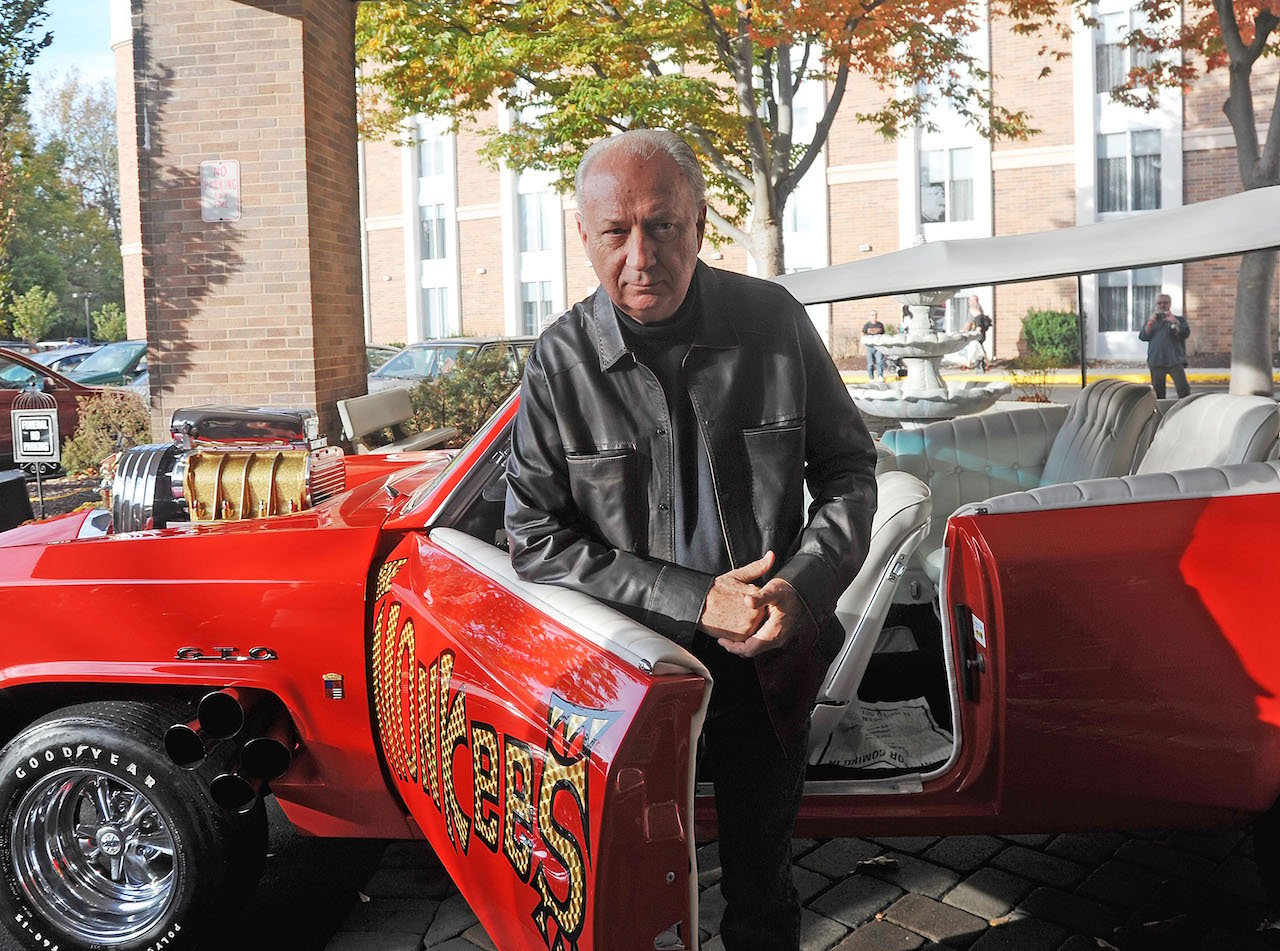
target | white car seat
x=976, y=457
x=1213, y=429
x=901, y=521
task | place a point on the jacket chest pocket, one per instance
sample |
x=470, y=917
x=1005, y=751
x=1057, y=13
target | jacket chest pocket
x=607, y=488
x=775, y=464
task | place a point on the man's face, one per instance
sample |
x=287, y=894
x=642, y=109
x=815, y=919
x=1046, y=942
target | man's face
x=642, y=230
x=1163, y=304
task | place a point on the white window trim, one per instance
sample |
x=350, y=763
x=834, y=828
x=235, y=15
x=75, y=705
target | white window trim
x=439, y=272
x=1096, y=114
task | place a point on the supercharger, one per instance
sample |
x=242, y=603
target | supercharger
x=225, y=463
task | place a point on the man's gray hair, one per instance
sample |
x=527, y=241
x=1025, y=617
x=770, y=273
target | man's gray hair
x=644, y=143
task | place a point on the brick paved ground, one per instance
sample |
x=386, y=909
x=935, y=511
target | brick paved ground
x=1157, y=891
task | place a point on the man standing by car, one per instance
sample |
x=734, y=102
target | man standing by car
x=1166, y=333
x=666, y=427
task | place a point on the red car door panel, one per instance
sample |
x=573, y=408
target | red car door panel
x=551, y=776
x=1132, y=662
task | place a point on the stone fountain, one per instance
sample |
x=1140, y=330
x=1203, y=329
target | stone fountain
x=923, y=396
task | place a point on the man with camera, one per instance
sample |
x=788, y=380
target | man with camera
x=1165, y=333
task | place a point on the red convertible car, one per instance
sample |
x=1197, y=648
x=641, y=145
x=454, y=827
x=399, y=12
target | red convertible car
x=1063, y=623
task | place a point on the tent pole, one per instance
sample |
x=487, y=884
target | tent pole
x=1084, y=370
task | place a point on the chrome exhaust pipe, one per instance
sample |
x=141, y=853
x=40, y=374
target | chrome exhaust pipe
x=221, y=713
x=270, y=755
x=234, y=792
x=185, y=745
x=219, y=716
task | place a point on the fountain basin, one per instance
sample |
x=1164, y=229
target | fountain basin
x=890, y=401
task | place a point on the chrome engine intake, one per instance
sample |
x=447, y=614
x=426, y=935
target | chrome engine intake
x=226, y=464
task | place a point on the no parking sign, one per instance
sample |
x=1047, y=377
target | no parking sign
x=35, y=435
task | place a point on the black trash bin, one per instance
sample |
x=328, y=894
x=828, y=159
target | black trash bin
x=15, y=504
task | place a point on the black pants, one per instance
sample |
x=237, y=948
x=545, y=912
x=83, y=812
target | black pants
x=758, y=786
x=1180, y=385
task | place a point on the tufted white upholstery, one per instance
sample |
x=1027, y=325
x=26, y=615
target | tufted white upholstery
x=1101, y=433
x=1250, y=478
x=1213, y=429
x=901, y=521
x=974, y=457
x=977, y=457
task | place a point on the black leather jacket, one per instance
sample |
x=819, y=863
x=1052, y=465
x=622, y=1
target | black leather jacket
x=590, y=480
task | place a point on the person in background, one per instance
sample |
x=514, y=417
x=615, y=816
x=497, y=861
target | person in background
x=904, y=323
x=1165, y=334
x=667, y=427
x=875, y=359
x=979, y=321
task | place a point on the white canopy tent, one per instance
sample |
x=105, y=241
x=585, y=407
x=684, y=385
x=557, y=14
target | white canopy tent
x=1248, y=221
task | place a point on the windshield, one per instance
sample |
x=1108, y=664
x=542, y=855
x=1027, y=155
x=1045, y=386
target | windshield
x=113, y=358
x=423, y=362
x=14, y=376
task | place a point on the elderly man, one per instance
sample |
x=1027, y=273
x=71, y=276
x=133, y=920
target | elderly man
x=666, y=427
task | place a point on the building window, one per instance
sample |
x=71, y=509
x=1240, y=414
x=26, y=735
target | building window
x=1112, y=58
x=435, y=312
x=430, y=157
x=433, y=232
x=1127, y=298
x=539, y=218
x=946, y=185
x=1129, y=171
x=535, y=306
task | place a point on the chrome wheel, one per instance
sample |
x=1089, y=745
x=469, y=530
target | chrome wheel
x=93, y=856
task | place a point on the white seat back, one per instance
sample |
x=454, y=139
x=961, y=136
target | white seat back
x=1101, y=433
x=901, y=522
x=1213, y=429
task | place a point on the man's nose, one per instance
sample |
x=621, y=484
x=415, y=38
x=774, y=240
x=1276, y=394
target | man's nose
x=640, y=254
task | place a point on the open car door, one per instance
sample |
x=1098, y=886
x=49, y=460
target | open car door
x=1121, y=666
x=543, y=743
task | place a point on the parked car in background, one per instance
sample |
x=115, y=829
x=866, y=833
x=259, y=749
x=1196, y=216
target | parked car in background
x=116, y=364
x=430, y=358
x=67, y=357
x=17, y=346
x=18, y=372
x=378, y=354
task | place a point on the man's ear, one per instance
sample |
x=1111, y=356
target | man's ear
x=702, y=224
x=582, y=234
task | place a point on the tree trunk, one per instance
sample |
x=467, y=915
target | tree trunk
x=766, y=247
x=1251, y=344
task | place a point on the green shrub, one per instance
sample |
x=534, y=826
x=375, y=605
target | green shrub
x=112, y=420
x=464, y=397
x=1052, y=335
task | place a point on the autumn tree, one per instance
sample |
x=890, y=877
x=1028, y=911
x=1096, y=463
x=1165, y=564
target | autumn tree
x=726, y=76
x=1181, y=43
x=21, y=40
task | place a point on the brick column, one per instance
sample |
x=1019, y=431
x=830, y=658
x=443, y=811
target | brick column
x=266, y=309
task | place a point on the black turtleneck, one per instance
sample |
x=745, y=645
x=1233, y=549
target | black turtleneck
x=662, y=347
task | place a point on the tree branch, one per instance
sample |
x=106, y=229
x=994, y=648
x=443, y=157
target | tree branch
x=719, y=160
x=787, y=185
x=723, y=224
x=1238, y=106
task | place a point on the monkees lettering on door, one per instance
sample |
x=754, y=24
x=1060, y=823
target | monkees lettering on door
x=524, y=800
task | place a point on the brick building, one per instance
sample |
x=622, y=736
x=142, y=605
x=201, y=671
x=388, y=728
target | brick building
x=452, y=245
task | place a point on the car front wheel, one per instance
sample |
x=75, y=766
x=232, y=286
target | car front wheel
x=105, y=843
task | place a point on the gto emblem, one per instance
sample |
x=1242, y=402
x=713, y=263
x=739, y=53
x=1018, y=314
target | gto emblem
x=226, y=653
